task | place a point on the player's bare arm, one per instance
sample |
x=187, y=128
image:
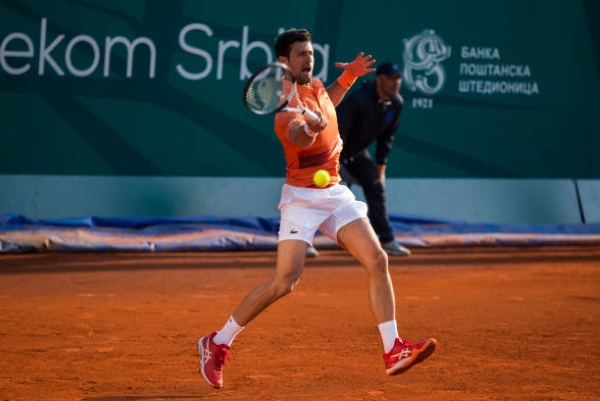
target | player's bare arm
x=305, y=134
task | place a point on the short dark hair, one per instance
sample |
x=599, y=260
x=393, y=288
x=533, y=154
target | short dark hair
x=284, y=42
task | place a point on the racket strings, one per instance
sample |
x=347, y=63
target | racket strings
x=263, y=94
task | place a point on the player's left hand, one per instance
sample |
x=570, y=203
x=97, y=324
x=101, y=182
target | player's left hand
x=360, y=66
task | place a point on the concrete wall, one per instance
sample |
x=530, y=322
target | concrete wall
x=589, y=191
x=502, y=201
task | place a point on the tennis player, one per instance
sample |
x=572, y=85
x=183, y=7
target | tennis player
x=310, y=145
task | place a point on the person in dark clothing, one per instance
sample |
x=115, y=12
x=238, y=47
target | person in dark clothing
x=371, y=114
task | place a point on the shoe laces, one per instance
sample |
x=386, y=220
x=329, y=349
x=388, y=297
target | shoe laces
x=221, y=356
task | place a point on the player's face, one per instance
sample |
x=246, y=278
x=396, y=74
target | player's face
x=302, y=62
x=388, y=86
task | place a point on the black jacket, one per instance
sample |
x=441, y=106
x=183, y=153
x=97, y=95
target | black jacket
x=364, y=118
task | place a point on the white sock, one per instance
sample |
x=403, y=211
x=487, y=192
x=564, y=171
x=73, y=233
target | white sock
x=389, y=333
x=228, y=332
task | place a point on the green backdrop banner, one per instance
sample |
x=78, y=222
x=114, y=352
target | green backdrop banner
x=492, y=89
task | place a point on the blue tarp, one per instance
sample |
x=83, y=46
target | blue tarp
x=21, y=234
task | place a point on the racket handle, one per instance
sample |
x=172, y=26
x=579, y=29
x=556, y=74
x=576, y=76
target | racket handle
x=311, y=115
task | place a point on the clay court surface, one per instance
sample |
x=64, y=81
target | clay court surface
x=512, y=324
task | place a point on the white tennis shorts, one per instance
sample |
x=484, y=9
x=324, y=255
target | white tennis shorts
x=306, y=210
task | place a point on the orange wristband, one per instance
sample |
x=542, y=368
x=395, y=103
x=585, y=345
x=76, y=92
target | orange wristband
x=346, y=80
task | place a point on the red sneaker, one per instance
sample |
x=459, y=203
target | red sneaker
x=212, y=359
x=406, y=354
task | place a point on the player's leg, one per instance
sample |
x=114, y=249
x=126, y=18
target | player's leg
x=350, y=228
x=214, y=348
x=359, y=239
x=399, y=354
x=290, y=264
x=298, y=225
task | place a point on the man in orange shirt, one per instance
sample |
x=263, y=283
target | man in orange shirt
x=310, y=146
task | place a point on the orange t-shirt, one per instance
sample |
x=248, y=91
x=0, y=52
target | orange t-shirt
x=324, y=153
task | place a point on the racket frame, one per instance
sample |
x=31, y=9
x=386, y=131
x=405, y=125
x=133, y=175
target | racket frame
x=283, y=106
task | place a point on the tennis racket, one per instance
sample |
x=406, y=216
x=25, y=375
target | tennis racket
x=263, y=92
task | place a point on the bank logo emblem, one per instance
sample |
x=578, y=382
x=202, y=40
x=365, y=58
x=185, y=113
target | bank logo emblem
x=423, y=55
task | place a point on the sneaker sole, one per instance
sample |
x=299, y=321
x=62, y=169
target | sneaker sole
x=420, y=357
x=312, y=253
x=200, y=354
x=398, y=252
x=402, y=251
x=395, y=253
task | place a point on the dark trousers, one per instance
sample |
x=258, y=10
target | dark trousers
x=361, y=170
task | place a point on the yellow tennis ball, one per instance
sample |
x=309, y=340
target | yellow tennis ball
x=321, y=178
